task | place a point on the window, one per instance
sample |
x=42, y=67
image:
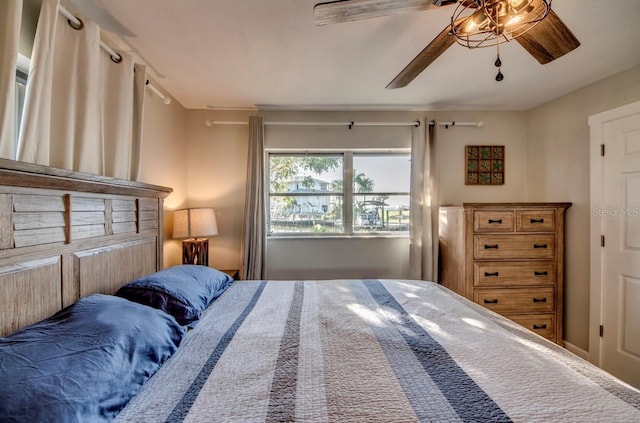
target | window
x=308, y=196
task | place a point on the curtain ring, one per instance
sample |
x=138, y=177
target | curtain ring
x=116, y=59
x=76, y=26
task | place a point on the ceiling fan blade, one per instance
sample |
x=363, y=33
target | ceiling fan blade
x=548, y=40
x=439, y=45
x=351, y=10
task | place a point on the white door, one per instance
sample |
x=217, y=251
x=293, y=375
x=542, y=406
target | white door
x=620, y=347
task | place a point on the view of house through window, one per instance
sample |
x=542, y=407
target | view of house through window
x=307, y=193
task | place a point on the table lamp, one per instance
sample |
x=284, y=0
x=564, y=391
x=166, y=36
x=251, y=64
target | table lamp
x=194, y=227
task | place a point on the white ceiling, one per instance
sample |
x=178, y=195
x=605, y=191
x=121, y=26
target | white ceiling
x=270, y=54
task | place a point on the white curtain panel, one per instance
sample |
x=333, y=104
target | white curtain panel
x=61, y=125
x=423, y=225
x=75, y=99
x=123, y=93
x=36, y=116
x=10, y=14
x=139, y=84
x=117, y=123
x=254, y=233
x=80, y=106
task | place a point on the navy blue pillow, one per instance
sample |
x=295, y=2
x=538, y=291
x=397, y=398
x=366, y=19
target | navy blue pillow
x=182, y=291
x=85, y=362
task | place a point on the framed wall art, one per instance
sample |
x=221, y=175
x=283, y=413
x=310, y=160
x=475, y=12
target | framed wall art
x=484, y=165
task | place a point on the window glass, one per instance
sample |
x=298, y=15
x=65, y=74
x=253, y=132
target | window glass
x=381, y=213
x=381, y=192
x=381, y=172
x=305, y=193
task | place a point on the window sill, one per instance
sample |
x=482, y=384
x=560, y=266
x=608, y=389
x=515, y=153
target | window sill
x=337, y=236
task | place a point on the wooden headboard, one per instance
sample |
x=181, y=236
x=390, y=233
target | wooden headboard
x=65, y=235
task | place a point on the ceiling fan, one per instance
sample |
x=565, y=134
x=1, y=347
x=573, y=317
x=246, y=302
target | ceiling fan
x=474, y=23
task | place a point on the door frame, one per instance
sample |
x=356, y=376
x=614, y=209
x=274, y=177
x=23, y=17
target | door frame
x=596, y=127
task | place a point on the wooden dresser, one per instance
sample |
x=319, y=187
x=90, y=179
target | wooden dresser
x=509, y=258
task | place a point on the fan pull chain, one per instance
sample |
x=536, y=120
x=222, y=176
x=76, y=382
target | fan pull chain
x=498, y=62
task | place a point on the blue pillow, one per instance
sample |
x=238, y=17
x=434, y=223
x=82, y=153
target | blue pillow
x=182, y=291
x=85, y=362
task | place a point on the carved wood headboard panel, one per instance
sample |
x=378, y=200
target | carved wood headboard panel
x=65, y=235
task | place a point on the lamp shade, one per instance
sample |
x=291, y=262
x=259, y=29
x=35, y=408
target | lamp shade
x=194, y=223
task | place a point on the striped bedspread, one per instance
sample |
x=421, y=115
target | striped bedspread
x=371, y=351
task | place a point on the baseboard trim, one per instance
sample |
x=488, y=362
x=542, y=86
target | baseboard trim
x=576, y=350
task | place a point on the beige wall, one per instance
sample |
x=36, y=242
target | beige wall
x=500, y=128
x=164, y=161
x=205, y=166
x=329, y=258
x=216, y=177
x=558, y=170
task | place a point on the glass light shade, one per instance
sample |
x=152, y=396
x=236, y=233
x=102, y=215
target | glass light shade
x=194, y=223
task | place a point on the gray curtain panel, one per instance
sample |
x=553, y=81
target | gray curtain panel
x=423, y=225
x=254, y=239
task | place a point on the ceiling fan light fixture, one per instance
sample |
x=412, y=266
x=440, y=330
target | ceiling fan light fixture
x=486, y=22
x=475, y=23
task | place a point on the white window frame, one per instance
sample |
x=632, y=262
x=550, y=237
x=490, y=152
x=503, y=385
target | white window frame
x=348, y=192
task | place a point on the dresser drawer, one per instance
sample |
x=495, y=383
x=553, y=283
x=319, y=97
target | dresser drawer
x=535, y=221
x=514, y=246
x=492, y=221
x=514, y=273
x=542, y=324
x=516, y=300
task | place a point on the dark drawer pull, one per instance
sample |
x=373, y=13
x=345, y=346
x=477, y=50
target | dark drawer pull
x=491, y=247
x=545, y=273
x=540, y=300
x=491, y=274
x=539, y=245
x=495, y=221
x=539, y=326
x=537, y=220
x=491, y=301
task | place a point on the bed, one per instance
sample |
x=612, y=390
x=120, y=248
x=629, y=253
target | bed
x=201, y=348
x=371, y=351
